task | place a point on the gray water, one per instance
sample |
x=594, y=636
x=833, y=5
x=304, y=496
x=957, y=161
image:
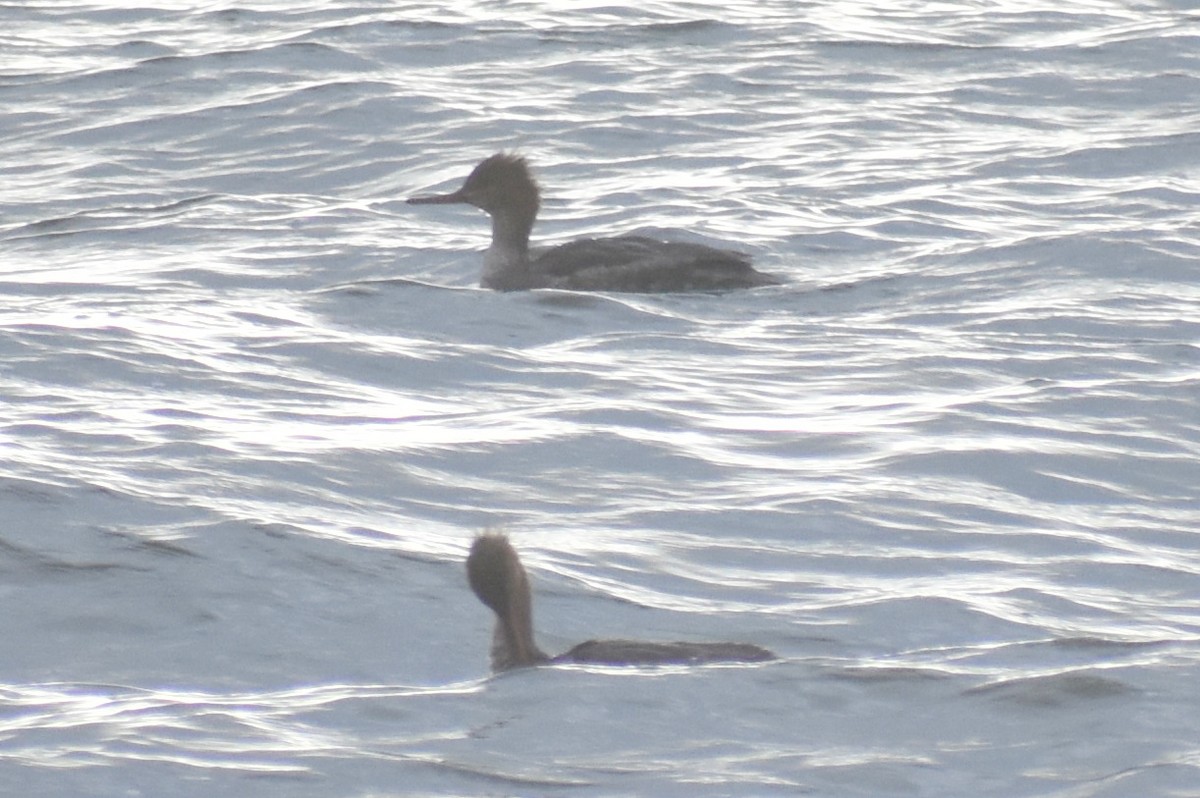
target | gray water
x=255, y=407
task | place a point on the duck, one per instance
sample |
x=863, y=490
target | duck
x=499, y=580
x=503, y=186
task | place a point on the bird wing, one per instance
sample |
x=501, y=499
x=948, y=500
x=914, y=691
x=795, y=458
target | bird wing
x=638, y=263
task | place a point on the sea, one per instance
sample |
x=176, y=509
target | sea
x=254, y=408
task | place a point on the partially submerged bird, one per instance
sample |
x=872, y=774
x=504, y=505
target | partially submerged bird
x=503, y=187
x=499, y=580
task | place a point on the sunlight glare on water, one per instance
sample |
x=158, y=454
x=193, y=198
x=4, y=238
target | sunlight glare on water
x=256, y=406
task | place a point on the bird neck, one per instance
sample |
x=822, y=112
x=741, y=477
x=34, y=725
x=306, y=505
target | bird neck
x=499, y=580
x=513, y=645
x=506, y=264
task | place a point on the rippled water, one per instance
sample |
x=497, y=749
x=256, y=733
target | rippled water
x=255, y=409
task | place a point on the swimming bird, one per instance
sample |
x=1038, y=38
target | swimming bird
x=499, y=580
x=503, y=186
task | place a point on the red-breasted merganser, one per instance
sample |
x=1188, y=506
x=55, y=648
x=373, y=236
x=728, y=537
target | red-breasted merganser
x=503, y=187
x=498, y=578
